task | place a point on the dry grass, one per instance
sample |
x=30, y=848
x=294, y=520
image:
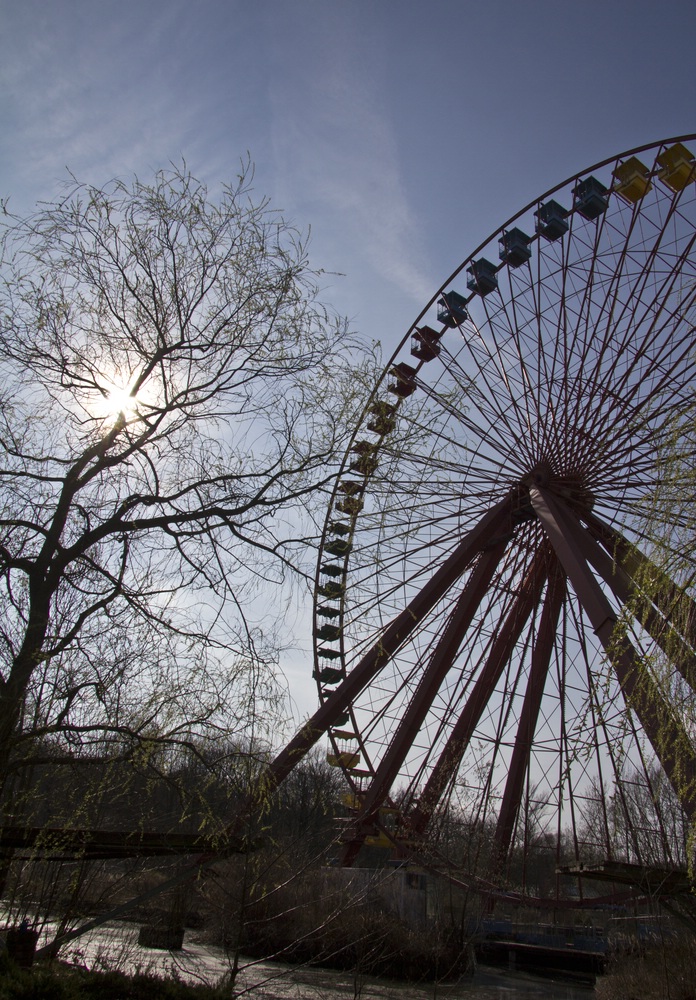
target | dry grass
x=663, y=973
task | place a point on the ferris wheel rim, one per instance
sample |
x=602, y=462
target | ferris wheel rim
x=689, y=137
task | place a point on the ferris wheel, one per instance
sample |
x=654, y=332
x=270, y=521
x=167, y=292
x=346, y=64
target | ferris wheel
x=505, y=624
x=507, y=666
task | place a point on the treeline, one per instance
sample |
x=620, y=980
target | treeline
x=161, y=791
x=277, y=894
x=280, y=898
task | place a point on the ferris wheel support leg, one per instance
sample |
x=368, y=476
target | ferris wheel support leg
x=494, y=524
x=666, y=733
x=675, y=632
x=500, y=653
x=659, y=628
x=519, y=763
x=433, y=675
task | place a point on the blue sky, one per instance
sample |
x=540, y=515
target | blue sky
x=403, y=132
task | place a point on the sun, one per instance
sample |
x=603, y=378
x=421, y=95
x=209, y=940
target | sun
x=121, y=400
x=116, y=401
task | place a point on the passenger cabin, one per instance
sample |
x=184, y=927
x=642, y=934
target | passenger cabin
x=339, y=528
x=364, y=448
x=380, y=835
x=424, y=343
x=551, y=220
x=483, y=278
x=381, y=425
x=343, y=734
x=405, y=384
x=326, y=612
x=632, y=180
x=330, y=569
x=452, y=309
x=338, y=547
x=330, y=675
x=352, y=800
x=365, y=465
x=327, y=653
x=591, y=198
x=383, y=421
x=345, y=759
x=677, y=166
x=378, y=839
x=350, y=506
x=328, y=633
x=514, y=247
x=351, y=488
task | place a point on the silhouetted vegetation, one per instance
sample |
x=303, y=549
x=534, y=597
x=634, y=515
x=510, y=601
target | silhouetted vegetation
x=666, y=970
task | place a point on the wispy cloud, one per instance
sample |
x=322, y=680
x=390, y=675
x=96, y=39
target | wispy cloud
x=335, y=142
x=85, y=95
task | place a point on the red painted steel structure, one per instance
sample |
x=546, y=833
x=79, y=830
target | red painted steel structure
x=502, y=649
x=563, y=384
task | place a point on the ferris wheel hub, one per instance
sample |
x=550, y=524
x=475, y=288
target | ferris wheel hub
x=539, y=476
x=571, y=487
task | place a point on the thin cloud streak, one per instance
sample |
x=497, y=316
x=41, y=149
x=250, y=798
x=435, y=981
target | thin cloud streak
x=88, y=102
x=336, y=144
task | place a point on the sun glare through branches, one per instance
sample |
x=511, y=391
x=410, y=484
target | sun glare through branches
x=117, y=399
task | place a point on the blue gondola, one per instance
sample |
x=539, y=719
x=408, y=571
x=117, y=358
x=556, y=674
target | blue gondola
x=482, y=277
x=551, y=220
x=514, y=247
x=591, y=198
x=452, y=309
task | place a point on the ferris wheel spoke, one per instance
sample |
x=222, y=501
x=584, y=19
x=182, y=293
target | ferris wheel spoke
x=614, y=308
x=588, y=268
x=486, y=392
x=489, y=432
x=654, y=429
x=517, y=414
x=651, y=261
x=654, y=345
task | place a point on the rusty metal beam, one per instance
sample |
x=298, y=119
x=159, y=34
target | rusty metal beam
x=485, y=533
x=664, y=730
x=433, y=675
x=500, y=652
x=534, y=693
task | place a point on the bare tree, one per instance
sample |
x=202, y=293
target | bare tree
x=172, y=398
